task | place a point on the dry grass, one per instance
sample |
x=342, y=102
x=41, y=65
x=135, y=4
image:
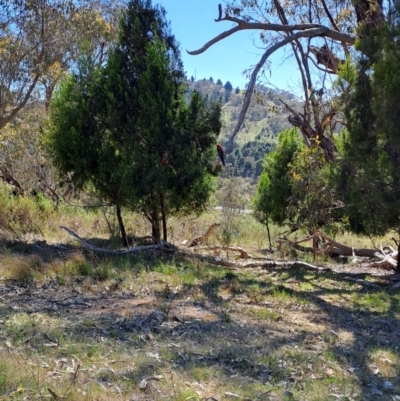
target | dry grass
x=159, y=329
x=76, y=326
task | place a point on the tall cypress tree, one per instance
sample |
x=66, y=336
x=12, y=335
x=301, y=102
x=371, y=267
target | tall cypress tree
x=370, y=174
x=151, y=149
x=274, y=188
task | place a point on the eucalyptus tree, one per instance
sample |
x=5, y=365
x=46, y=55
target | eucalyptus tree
x=320, y=35
x=40, y=40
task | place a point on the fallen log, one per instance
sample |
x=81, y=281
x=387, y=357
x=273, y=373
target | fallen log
x=243, y=253
x=329, y=247
x=263, y=264
x=161, y=246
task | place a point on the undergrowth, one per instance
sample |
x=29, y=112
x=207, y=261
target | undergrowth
x=77, y=325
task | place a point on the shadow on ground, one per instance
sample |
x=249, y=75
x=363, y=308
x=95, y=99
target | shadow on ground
x=302, y=320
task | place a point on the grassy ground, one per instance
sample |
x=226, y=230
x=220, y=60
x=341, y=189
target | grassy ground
x=76, y=327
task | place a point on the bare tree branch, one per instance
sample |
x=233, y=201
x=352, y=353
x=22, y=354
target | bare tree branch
x=313, y=30
x=303, y=63
x=252, y=82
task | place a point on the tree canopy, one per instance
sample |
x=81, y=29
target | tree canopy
x=40, y=40
x=126, y=129
x=320, y=35
x=369, y=180
x=274, y=186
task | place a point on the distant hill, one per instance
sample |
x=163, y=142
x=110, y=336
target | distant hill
x=265, y=119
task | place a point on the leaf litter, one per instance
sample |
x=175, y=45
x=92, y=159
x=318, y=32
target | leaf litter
x=215, y=349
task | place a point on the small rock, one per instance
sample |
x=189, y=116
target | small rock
x=387, y=384
x=143, y=384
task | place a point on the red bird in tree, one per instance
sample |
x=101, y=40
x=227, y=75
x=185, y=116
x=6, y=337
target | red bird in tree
x=221, y=153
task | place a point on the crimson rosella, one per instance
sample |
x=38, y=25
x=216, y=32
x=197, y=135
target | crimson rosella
x=221, y=153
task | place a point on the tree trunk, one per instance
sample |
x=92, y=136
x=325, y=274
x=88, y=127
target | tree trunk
x=369, y=15
x=164, y=220
x=398, y=258
x=269, y=235
x=155, y=226
x=122, y=228
x=311, y=134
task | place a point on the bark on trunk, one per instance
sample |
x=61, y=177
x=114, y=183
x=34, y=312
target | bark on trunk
x=311, y=134
x=155, y=226
x=369, y=15
x=124, y=238
x=163, y=217
x=398, y=258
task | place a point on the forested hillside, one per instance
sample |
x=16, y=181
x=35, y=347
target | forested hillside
x=264, y=120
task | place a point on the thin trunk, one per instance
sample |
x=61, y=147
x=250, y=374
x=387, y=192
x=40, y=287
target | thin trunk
x=398, y=258
x=269, y=235
x=154, y=219
x=122, y=228
x=164, y=220
x=155, y=226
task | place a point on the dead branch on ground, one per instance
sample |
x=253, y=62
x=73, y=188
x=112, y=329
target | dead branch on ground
x=242, y=253
x=162, y=246
x=263, y=264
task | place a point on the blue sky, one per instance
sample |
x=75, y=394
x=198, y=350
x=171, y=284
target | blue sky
x=193, y=24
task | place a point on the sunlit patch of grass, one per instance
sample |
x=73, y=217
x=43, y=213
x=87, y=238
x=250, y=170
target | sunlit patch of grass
x=183, y=394
x=78, y=264
x=296, y=357
x=17, y=380
x=203, y=373
x=195, y=273
x=63, y=270
x=257, y=391
x=21, y=326
x=330, y=355
x=5, y=376
x=166, y=268
x=22, y=272
x=169, y=354
x=191, y=276
x=22, y=269
x=328, y=388
x=284, y=294
x=378, y=302
x=255, y=290
x=187, y=274
x=104, y=271
x=34, y=376
x=264, y=314
x=307, y=286
x=387, y=360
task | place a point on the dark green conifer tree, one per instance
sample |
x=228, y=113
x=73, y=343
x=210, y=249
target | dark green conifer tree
x=369, y=178
x=126, y=130
x=274, y=186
